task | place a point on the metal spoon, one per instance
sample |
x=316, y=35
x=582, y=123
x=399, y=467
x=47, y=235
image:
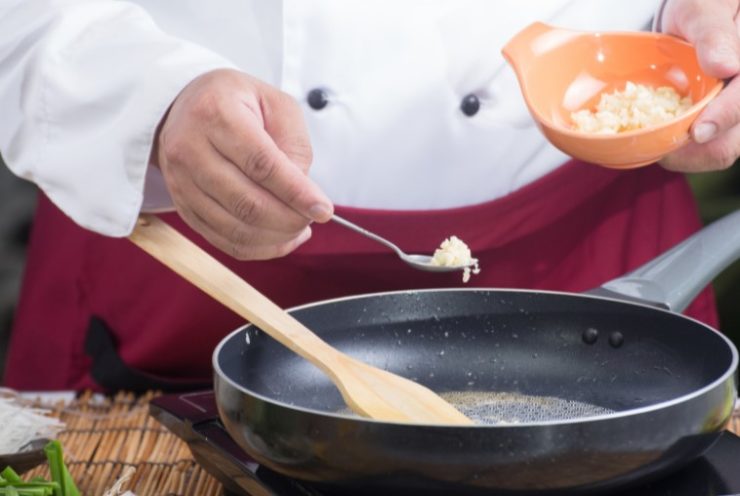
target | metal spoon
x=421, y=262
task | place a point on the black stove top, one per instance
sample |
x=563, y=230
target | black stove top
x=194, y=418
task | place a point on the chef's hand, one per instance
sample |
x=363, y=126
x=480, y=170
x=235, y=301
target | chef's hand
x=235, y=154
x=712, y=27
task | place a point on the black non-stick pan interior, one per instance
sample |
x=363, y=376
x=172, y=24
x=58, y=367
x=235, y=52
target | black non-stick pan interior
x=547, y=356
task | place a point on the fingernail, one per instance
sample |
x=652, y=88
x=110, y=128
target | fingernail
x=319, y=212
x=704, y=132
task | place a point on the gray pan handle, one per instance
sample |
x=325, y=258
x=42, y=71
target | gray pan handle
x=674, y=278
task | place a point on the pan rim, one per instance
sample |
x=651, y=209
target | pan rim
x=731, y=370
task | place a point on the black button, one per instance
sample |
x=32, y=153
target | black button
x=470, y=105
x=317, y=99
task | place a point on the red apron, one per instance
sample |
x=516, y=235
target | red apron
x=97, y=312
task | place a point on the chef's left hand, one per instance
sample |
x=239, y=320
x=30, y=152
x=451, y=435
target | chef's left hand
x=712, y=27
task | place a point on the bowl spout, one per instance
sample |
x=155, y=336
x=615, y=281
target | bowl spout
x=523, y=50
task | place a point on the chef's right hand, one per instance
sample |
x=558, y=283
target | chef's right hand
x=235, y=154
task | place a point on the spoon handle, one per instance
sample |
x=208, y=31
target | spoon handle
x=195, y=265
x=365, y=232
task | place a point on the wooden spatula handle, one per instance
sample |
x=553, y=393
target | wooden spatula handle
x=195, y=265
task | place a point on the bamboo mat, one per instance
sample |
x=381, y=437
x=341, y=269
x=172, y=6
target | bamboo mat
x=115, y=439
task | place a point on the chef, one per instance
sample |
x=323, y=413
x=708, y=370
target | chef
x=246, y=123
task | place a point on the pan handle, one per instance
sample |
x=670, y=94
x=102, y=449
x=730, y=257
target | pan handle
x=673, y=279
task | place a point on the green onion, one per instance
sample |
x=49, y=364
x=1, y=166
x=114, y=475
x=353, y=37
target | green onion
x=61, y=484
x=59, y=471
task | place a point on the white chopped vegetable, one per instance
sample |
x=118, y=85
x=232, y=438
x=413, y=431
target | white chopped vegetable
x=636, y=107
x=117, y=489
x=21, y=424
x=453, y=252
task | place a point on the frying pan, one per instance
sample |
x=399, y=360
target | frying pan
x=589, y=392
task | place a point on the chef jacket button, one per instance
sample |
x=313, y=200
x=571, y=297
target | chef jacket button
x=317, y=99
x=470, y=105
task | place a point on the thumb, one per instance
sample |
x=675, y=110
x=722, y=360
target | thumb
x=283, y=121
x=710, y=26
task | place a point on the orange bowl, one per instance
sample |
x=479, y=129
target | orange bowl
x=561, y=71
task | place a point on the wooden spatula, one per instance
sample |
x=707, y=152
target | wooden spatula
x=367, y=390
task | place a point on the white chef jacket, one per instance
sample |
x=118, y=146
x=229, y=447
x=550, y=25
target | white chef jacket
x=84, y=84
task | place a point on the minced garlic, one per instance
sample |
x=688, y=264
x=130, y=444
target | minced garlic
x=453, y=252
x=637, y=107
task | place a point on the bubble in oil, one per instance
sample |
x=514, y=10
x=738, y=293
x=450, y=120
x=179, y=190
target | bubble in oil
x=513, y=408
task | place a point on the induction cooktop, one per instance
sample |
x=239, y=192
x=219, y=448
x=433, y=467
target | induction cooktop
x=194, y=418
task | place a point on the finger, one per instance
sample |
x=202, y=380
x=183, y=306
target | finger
x=248, y=251
x=717, y=154
x=252, y=205
x=242, y=140
x=230, y=235
x=284, y=122
x=710, y=27
x=244, y=242
x=721, y=115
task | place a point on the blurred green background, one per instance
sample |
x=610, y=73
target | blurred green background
x=718, y=194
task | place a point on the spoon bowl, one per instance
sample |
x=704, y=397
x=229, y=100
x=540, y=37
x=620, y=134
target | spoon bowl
x=424, y=262
x=420, y=262
x=561, y=71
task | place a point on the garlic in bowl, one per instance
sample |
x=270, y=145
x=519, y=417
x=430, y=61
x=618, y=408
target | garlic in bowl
x=562, y=72
x=636, y=107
